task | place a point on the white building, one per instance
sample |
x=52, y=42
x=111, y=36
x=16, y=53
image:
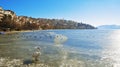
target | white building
x=7, y=12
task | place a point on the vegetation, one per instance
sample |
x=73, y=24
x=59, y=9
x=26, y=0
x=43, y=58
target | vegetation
x=10, y=21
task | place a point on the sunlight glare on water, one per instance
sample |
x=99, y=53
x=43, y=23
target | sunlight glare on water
x=111, y=52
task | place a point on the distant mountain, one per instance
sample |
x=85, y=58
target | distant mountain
x=10, y=21
x=109, y=27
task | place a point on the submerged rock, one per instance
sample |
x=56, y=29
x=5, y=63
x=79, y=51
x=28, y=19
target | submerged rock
x=2, y=32
x=7, y=62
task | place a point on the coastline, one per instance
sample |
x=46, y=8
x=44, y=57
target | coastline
x=13, y=32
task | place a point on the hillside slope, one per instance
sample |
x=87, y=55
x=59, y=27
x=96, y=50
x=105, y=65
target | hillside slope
x=10, y=21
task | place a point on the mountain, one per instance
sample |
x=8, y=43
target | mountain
x=10, y=21
x=109, y=27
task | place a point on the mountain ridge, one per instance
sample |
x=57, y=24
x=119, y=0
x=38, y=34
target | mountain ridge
x=109, y=27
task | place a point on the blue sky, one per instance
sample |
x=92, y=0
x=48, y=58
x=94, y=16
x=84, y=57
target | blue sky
x=94, y=12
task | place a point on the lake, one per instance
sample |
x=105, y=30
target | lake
x=65, y=48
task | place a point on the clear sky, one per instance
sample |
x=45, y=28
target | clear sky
x=94, y=12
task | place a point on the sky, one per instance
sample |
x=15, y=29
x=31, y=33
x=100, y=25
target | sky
x=94, y=12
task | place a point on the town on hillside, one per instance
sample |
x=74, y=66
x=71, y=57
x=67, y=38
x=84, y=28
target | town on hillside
x=9, y=21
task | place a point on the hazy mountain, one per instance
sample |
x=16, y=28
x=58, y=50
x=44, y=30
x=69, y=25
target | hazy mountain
x=109, y=27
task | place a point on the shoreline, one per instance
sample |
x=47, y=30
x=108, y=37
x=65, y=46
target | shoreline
x=13, y=32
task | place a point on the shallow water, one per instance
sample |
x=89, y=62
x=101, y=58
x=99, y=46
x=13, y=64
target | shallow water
x=65, y=48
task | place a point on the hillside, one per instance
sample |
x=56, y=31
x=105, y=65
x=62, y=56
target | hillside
x=10, y=21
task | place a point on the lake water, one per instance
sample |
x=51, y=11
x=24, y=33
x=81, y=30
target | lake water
x=65, y=48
